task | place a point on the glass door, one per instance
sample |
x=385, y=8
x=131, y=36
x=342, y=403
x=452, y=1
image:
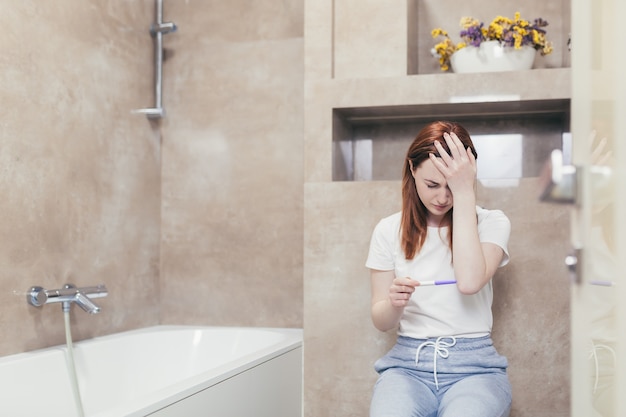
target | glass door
x=598, y=227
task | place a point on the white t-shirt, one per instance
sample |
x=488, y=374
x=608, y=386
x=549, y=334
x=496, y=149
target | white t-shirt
x=441, y=310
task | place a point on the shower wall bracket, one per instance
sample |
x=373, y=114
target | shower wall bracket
x=157, y=30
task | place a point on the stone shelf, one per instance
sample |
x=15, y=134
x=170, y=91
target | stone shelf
x=451, y=92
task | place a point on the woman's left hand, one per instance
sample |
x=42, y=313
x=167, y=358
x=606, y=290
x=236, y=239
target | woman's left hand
x=458, y=167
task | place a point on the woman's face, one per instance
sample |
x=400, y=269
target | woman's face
x=433, y=191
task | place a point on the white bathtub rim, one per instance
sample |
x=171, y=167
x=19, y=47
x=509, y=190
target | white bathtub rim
x=183, y=389
x=158, y=399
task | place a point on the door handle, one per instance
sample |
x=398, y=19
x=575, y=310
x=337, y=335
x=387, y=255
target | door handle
x=558, y=182
x=573, y=261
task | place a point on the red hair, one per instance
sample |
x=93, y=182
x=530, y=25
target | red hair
x=413, y=225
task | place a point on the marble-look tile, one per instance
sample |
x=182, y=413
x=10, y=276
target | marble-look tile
x=318, y=40
x=232, y=179
x=341, y=344
x=365, y=48
x=531, y=300
x=80, y=174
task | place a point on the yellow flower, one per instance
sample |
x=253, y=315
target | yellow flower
x=437, y=32
x=521, y=31
x=495, y=31
x=501, y=20
x=547, y=49
x=468, y=22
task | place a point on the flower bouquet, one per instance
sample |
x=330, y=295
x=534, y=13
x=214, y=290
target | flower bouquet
x=514, y=34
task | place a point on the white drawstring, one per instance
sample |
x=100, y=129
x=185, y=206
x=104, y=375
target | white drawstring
x=440, y=349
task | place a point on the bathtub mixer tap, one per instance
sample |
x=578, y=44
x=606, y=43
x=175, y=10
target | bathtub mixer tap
x=38, y=296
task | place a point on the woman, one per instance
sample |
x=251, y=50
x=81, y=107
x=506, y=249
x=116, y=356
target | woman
x=444, y=363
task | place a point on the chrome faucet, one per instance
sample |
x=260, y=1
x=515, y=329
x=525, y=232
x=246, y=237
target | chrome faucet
x=38, y=296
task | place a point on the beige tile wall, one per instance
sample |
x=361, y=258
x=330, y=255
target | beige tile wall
x=232, y=205
x=79, y=174
x=369, y=39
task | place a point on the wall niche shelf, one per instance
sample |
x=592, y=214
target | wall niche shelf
x=526, y=113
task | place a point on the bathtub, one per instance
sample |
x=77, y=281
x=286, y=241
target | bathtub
x=162, y=371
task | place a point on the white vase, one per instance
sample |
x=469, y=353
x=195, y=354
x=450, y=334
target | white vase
x=491, y=56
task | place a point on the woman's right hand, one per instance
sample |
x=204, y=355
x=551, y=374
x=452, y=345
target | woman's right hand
x=389, y=297
x=400, y=291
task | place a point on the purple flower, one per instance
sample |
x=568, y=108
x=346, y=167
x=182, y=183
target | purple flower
x=473, y=35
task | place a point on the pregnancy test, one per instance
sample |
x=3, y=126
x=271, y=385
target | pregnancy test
x=440, y=282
